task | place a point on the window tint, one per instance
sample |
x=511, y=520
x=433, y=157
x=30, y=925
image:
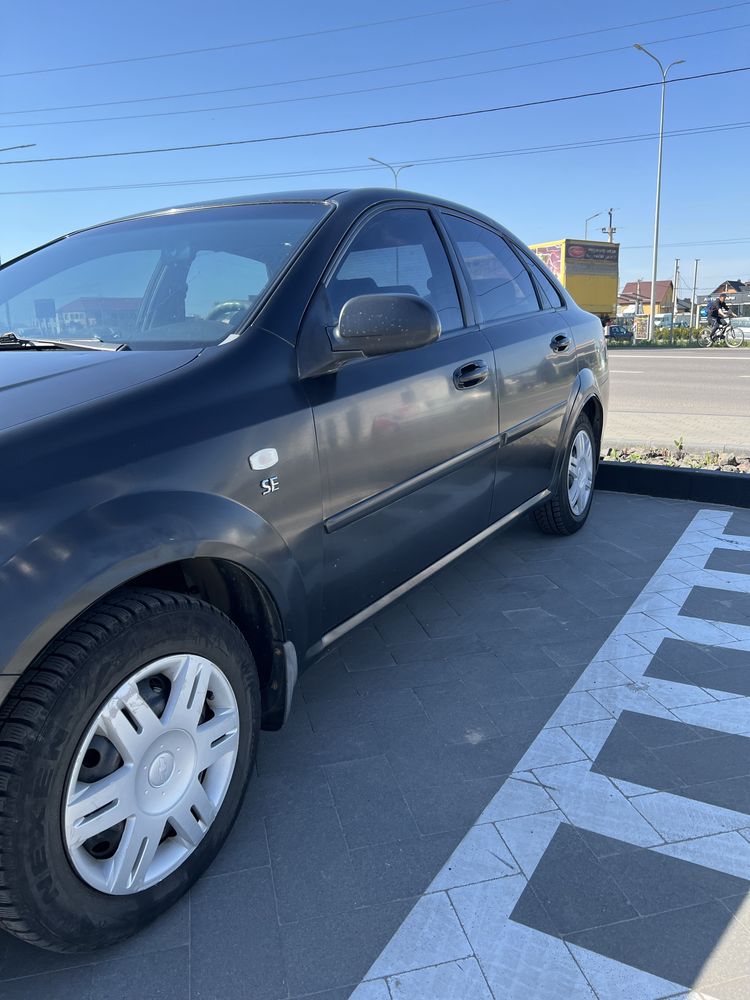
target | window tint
x=179, y=280
x=549, y=292
x=399, y=251
x=501, y=283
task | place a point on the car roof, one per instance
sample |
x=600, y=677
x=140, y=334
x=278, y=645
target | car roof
x=359, y=198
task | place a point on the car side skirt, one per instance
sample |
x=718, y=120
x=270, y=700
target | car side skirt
x=394, y=595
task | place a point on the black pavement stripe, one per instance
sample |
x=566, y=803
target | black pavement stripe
x=659, y=914
x=705, y=666
x=738, y=524
x=691, y=761
x=729, y=560
x=718, y=605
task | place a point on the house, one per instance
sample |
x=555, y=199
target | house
x=636, y=297
x=83, y=313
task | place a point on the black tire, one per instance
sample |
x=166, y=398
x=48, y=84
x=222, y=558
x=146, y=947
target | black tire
x=556, y=517
x=42, y=899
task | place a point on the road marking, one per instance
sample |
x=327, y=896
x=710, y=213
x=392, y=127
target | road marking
x=627, y=371
x=465, y=914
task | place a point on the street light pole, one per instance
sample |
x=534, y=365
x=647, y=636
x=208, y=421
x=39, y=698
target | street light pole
x=664, y=72
x=394, y=170
x=586, y=224
x=694, y=301
x=675, y=282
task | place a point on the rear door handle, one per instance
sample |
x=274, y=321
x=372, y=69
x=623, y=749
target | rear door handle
x=560, y=343
x=470, y=375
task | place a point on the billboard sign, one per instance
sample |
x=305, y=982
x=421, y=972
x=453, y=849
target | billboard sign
x=592, y=258
x=551, y=255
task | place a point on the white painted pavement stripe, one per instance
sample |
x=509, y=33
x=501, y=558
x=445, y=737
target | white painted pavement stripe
x=554, y=783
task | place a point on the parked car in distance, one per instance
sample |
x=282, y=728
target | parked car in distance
x=230, y=433
x=616, y=332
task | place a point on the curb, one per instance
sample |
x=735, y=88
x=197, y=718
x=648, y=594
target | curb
x=731, y=488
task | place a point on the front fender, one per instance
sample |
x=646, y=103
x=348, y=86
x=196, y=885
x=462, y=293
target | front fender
x=60, y=573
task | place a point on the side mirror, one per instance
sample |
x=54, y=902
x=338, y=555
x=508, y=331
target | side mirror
x=385, y=324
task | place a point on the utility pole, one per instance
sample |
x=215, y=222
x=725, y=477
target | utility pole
x=610, y=229
x=694, y=300
x=674, y=298
x=664, y=74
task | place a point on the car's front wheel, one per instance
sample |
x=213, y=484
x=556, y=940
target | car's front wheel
x=124, y=756
x=565, y=512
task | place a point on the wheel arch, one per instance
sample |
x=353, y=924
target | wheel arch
x=192, y=543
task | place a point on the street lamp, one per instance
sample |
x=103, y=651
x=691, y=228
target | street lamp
x=394, y=170
x=586, y=224
x=664, y=72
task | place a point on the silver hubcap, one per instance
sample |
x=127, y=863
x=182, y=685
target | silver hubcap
x=150, y=774
x=580, y=473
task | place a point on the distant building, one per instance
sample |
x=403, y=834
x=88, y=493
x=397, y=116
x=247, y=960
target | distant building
x=737, y=293
x=635, y=298
x=84, y=313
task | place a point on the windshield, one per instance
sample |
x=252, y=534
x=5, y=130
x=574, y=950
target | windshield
x=170, y=281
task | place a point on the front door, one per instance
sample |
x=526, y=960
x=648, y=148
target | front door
x=534, y=354
x=407, y=446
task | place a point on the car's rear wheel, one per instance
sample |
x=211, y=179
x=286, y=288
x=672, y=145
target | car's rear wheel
x=124, y=756
x=565, y=512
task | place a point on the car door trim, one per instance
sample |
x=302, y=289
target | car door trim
x=388, y=496
x=533, y=423
x=383, y=602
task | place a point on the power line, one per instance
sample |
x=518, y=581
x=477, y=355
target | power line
x=358, y=168
x=379, y=69
x=366, y=90
x=376, y=125
x=258, y=41
x=694, y=243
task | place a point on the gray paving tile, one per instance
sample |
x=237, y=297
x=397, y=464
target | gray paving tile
x=457, y=713
x=556, y=680
x=577, y=653
x=462, y=978
x=291, y=753
x=369, y=802
x=654, y=882
x=68, y=984
x=490, y=757
x=246, y=845
x=401, y=869
x=729, y=561
x=335, y=713
x=523, y=717
x=329, y=679
x=675, y=945
x=626, y=757
x=364, y=648
x=718, y=605
x=418, y=754
x=158, y=976
x=441, y=809
x=312, y=871
x=738, y=524
x=428, y=649
x=169, y=931
x=574, y=888
x=398, y=624
x=338, y=949
x=404, y=675
x=235, y=946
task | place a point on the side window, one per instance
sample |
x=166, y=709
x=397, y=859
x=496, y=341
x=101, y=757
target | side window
x=399, y=251
x=549, y=292
x=501, y=283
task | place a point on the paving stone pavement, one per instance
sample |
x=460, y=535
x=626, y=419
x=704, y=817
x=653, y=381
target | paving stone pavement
x=581, y=717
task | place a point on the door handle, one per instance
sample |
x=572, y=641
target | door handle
x=470, y=375
x=560, y=343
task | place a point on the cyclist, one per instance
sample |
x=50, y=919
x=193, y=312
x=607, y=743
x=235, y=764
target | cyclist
x=719, y=314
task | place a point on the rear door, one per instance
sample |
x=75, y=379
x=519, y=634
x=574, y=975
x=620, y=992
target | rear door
x=407, y=446
x=535, y=356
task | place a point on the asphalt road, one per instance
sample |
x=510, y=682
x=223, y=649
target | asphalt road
x=659, y=396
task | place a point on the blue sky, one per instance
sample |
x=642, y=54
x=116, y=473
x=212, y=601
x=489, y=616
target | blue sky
x=542, y=196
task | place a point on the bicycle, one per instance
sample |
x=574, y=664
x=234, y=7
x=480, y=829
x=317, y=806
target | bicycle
x=725, y=332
